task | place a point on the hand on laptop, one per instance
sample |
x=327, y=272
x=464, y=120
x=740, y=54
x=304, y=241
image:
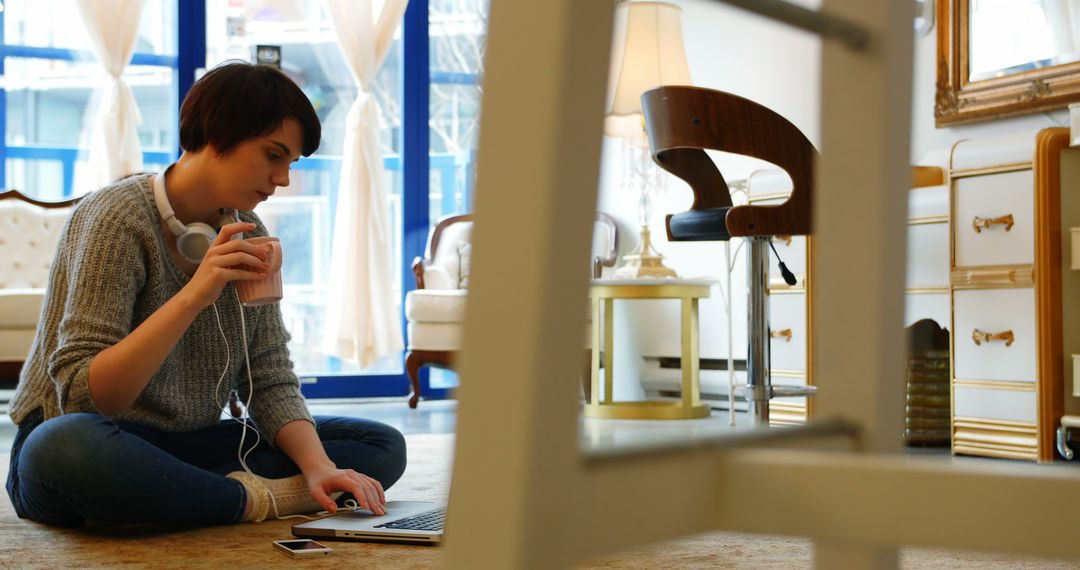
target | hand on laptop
x=368, y=492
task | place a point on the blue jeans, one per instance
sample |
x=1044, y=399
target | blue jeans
x=85, y=467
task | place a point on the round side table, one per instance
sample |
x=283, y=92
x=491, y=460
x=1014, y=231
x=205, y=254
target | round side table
x=603, y=293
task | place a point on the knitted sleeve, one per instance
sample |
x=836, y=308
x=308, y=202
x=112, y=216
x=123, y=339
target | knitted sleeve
x=102, y=269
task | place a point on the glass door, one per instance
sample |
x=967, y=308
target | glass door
x=302, y=215
x=458, y=35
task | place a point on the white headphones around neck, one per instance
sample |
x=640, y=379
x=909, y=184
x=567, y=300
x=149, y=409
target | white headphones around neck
x=194, y=239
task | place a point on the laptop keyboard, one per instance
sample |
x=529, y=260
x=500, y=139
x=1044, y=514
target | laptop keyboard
x=430, y=521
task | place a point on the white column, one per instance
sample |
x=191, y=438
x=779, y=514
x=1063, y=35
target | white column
x=860, y=240
x=517, y=466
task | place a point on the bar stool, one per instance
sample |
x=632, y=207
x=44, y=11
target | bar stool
x=681, y=123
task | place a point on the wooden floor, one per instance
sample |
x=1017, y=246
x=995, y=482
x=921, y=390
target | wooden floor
x=427, y=428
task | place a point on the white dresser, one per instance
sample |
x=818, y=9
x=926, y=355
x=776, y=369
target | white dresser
x=790, y=319
x=927, y=285
x=1005, y=294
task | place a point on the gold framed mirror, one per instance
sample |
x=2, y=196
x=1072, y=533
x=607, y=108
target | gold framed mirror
x=1005, y=58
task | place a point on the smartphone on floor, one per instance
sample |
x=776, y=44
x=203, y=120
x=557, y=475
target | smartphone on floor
x=302, y=547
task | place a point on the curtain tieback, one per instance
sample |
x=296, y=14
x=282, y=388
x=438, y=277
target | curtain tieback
x=362, y=111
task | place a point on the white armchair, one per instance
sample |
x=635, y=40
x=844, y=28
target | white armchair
x=29, y=232
x=435, y=310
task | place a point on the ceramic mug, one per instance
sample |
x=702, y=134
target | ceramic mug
x=266, y=290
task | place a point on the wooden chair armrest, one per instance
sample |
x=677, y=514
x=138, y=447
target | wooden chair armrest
x=418, y=271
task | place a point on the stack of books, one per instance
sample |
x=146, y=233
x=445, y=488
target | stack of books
x=926, y=417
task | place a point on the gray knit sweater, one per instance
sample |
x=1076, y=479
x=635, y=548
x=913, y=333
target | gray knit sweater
x=112, y=271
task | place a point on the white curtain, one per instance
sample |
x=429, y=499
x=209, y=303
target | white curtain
x=114, y=140
x=361, y=318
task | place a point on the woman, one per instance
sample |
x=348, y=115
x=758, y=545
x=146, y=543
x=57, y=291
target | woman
x=139, y=345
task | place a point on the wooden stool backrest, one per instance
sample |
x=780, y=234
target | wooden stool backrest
x=684, y=121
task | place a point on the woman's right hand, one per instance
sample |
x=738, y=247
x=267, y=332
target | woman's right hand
x=227, y=260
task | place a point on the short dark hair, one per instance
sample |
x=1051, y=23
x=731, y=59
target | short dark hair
x=237, y=101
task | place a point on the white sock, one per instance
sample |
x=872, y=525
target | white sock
x=277, y=497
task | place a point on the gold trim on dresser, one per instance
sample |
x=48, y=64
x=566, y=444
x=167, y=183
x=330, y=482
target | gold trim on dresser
x=999, y=169
x=1016, y=426
x=986, y=277
x=928, y=220
x=1001, y=452
x=787, y=413
x=926, y=290
x=1011, y=385
x=1048, y=325
x=995, y=438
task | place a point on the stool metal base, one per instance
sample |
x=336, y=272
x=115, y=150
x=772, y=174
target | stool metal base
x=646, y=410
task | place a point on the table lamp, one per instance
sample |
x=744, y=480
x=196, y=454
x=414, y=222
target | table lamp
x=647, y=52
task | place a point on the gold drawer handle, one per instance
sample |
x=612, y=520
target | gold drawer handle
x=785, y=239
x=980, y=337
x=784, y=334
x=980, y=223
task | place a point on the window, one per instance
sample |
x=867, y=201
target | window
x=302, y=215
x=50, y=79
x=458, y=34
x=458, y=30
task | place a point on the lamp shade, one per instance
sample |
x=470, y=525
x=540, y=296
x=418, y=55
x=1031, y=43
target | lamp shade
x=647, y=52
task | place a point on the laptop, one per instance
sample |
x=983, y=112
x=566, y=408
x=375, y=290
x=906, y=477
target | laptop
x=404, y=521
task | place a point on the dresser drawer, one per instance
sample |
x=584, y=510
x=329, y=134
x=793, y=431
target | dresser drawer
x=928, y=255
x=787, y=321
x=994, y=197
x=788, y=411
x=994, y=311
x=928, y=202
x=994, y=404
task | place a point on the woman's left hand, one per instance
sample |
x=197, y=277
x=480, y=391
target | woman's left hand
x=367, y=491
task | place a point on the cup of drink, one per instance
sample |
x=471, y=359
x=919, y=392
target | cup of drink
x=267, y=290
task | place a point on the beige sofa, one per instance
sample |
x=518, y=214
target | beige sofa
x=29, y=232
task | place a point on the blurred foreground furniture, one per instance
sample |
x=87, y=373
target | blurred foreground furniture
x=435, y=310
x=29, y=232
